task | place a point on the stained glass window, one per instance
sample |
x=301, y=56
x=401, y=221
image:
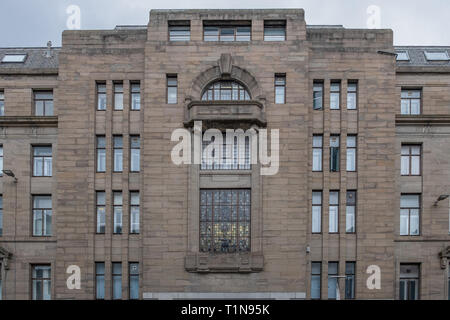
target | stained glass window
x=225, y=220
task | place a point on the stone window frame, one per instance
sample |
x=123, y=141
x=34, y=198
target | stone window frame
x=195, y=261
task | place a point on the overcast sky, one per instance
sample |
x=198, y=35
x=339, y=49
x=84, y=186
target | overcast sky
x=33, y=22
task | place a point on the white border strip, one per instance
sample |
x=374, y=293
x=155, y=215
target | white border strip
x=224, y=295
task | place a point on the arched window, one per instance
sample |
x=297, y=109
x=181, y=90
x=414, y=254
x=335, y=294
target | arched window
x=225, y=91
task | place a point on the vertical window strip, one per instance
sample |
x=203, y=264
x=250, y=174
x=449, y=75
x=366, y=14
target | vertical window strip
x=118, y=153
x=350, y=213
x=117, y=211
x=316, y=212
x=100, y=280
x=134, y=212
x=117, y=280
x=135, y=95
x=101, y=153
x=317, y=152
x=118, y=96
x=352, y=95
x=351, y=152
x=333, y=226
x=280, y=88
x=101, y=211
x=335, y=95
x=172, y=89
x=316, y=280
x=101, y=96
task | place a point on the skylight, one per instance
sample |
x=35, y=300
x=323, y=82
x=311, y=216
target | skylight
x=14, y=58
x=437, y=55
x=402, y=56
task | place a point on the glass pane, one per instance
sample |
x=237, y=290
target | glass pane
x=332, y=286
x=100, y=287
x=316, y=219
x=351, y=159
x=211, y=34
x=317, y=159
x=351, y=100
x=118, y=160
x=409, y=271
x=172, y=95
x=333, y=219
x=42, y=151
x=118, y=101
x=405, y=107
x=243, y=33
x=317, y=197
x=274, y=33
x=135, y=159
x=334, y=197
x=39, y=108
x=101, y=199
x=117, y=198
x=227, y=34
x=101, y=160
x=415, y=107
x=48, y=167
x=351, y=142
x=101, y=142
x=38, y=167
x=42, y=202
x=134, y=287
x=405, y=165
x=181, y=33
x=48, y=222
x=100, y=268
x=350, y=219
x=404, y=222
x=279, y=95
x=135, y=101
x=315, y=287
x=405, y=150
x=334, y=141
x=415, y=222
x=415, y=165
x=334, y=100
x=48, y=108
x=134, y=198
x=317, y=141
x=351, y=197
x=409, y=201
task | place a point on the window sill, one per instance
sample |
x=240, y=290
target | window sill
x=224, y=263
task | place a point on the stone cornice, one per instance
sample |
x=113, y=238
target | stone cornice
x=404, y=120
x=28, y=121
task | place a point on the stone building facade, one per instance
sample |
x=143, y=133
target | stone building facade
x=363, y=137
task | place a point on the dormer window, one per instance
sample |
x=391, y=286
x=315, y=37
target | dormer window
x=14, y=58
x=437, y=55
x=225, y=91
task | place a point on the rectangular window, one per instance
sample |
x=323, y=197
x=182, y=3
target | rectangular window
x=317, y=211
x=100, y=280
x=409, y=281
x=411, y=101
x=43, y=103
x=334, y=153
x=118, y=211
x=135, y=94
x=179, y=31
x=2, y=103
x=333, y=272
x=437, y=55
x=350, y=212
x=317, y=152
x=280, y=89
x=227, y=33
x=101, y=211
x=118, y=96
x=42, y=216
x=335, y=95
x=351, y=152
x=410, y=164
x=334, y=212
x=135, y=153
x=350, y=280
x=225, y=220
x=275, y=30
x=318, y=95
x=134, y=211
x=1, y=218
x=117, y=280
x=172, y=89
x=118, y=153
x=235, y=152
x=42, y=161
x=14, y=58
x=101, y=96
x=101, y=153
x=133, y=280
x=41, y=282
x=410, y=215
x=402, y=56
x=316, y=279
x=352, y=95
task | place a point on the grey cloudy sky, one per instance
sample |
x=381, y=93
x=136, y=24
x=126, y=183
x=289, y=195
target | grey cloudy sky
x=25, y=23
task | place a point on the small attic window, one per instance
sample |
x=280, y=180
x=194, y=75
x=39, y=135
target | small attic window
x=17, y=58
x=402, y=56
x=437, y=55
